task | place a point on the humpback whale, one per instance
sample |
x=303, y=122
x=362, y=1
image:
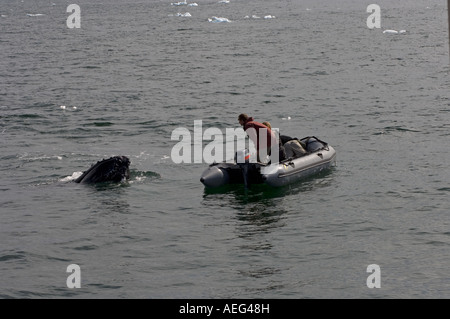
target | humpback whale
x=114, y=169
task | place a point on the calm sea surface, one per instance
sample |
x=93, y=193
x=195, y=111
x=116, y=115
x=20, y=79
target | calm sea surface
x=136, y=70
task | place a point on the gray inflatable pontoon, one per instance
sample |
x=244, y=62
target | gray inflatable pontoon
x=320, y=156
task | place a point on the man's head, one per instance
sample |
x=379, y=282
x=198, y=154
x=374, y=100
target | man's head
x=242, y=118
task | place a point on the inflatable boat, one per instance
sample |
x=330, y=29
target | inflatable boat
x=319, y=156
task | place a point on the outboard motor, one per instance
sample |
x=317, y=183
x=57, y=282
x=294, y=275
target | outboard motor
x=242, y=158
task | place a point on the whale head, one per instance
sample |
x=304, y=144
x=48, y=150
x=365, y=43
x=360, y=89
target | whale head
x=114, y=169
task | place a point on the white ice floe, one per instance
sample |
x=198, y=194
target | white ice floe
x=394, y=32
x=35, y=14
x=181, y=3
x=187, y=14
x=269, y=16
x=224, y=1
x=218, y=20
x=286, y=118
x=63, y=107
x=184, y=3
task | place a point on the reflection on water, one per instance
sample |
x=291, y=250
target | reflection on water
x=260, y=212
x=261, y=192
x=262, y=208
x=259, y=272
x=107, y=218
x=109, y=197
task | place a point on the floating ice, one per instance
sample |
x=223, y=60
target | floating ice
x=63, y=107
x=394, y=31
x=187, y=14
x=224, y=1
x=181, y=3
x=218, y=20
x=193, y=4
x=269, y=16
x=35, y=14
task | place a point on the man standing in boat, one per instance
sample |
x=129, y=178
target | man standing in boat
x=262, y=136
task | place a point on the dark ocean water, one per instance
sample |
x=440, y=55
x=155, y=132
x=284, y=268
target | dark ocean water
x=135, y=71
